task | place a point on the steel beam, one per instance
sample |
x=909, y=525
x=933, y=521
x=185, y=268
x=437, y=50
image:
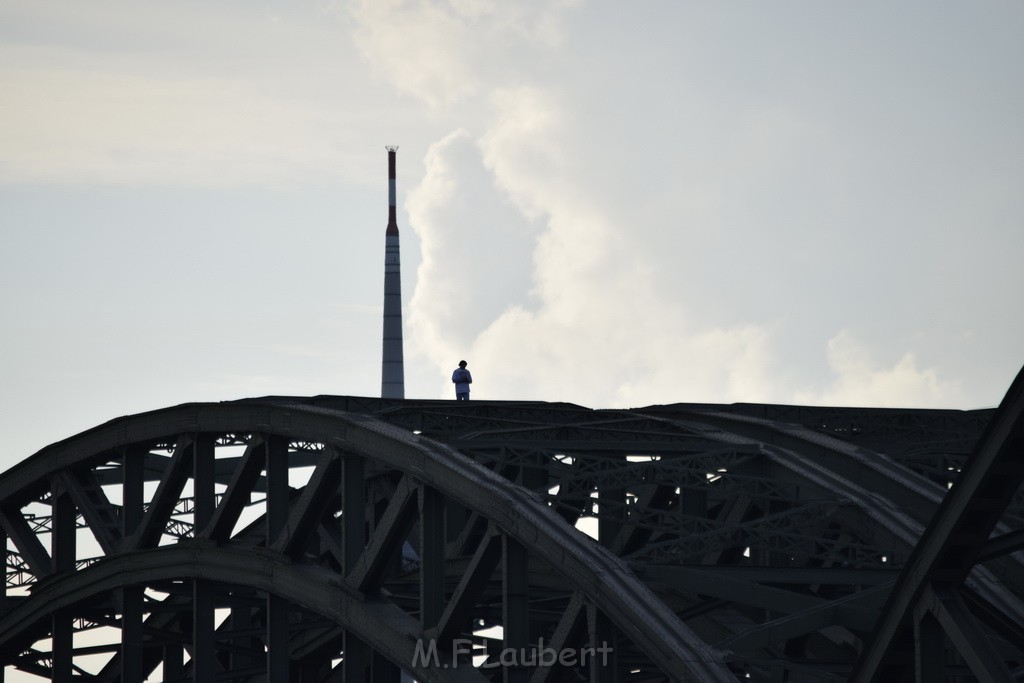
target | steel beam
x=956, y=536
x=432, y=544
x=601, y=649
x=278, y=664
x=317, y=496
x=278, y=499
x=564, y=553
x=204, y=661
x=100, y=516
x=515, y=601
x=132, y=663
x=386, y=541
x=32, y=550
x=386, y=628
x=466, y=594
x=62, y=538
x=353, y=519
x=154, y=522
x=567, y=631
x=238, y=492
x=967, y=635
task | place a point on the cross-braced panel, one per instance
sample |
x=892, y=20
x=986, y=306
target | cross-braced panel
x=344, y=538
x=227, y=542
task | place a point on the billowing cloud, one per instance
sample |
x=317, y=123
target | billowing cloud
x=475, y=248
x=592, y=328
x=859, y=379
x=546, y=251
x=445, y=52
x=603, y=205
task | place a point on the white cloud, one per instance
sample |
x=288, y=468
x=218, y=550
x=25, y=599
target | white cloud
x=633, y=207
x=861, y=381
x=619, y=354
x=667, y=225
x=475, y=249
x=445, y=52
x=591, y=324
x=593, y=329
x=417, y=47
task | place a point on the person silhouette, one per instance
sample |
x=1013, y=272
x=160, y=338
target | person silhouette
x=462, y=379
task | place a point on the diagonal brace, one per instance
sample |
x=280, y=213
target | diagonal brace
x=368, y=572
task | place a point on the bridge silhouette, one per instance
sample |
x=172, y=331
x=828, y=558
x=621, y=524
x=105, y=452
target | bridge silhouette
x=336, y=538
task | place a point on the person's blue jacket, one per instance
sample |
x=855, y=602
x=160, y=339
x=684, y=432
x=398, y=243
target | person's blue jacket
x=462, y=380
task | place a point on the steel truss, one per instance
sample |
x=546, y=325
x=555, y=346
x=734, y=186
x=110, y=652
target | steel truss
x=348, y=539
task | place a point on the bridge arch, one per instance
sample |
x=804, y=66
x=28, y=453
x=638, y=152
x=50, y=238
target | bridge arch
x=322, y=538
x=399, y=487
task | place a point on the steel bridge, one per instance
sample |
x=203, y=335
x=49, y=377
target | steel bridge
x=348, y=539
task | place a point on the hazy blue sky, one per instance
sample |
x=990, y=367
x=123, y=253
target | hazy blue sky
x=610, y=203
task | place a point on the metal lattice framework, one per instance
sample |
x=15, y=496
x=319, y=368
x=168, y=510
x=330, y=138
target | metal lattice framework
x=344, y=539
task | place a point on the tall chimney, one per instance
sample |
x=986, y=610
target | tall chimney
x=392, y=384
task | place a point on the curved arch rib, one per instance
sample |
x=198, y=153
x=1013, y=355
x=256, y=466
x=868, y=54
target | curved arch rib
x=588, y=568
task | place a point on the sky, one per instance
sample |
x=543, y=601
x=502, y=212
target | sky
x=616, y=204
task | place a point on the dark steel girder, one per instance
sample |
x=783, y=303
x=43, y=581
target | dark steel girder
x=950, y=548
x=385, y=627
x=519, y=514
x=817, y=516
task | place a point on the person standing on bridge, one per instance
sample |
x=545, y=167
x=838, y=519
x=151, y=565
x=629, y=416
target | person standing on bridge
x=462, y=379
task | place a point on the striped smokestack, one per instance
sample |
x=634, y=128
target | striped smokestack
x=392, y=384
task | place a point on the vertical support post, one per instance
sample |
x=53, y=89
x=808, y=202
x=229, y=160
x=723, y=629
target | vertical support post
x=133, y=479
x=63, y=533
x=241, y=622
x=62, y=540
x=353, y=520
x=353, y=515
x=133, y=474
x=612, y=514
x=382, y=669
x=455, y=517
x=277, y=486
x=204, y=491
x=929, y=647
x=131, y=634
x=692, y=503
x=204, y=663
x=612, y=502
x=277, y=520
x=534, y=474
x=278, y=664
x=174, y=662
x=515, y=606
x=314, y=669
x=601, y=651
x=432, y=598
